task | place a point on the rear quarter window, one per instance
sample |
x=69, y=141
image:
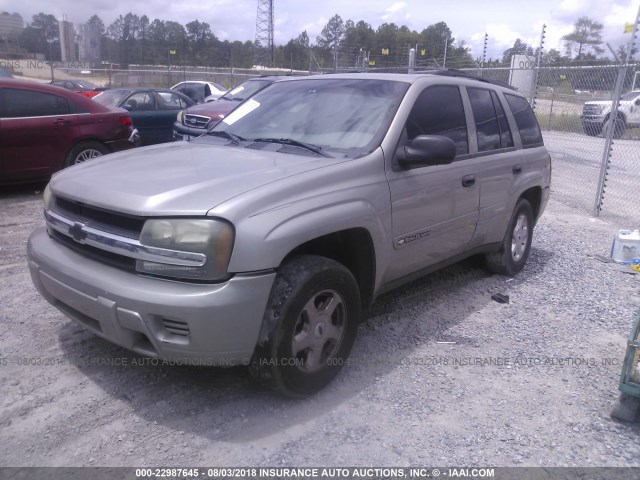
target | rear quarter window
x=525, y=121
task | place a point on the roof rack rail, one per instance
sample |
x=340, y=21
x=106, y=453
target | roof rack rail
x=454, y=72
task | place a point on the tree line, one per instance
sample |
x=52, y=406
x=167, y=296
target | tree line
x=137, y=40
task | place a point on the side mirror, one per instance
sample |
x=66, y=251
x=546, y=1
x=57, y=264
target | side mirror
x=426, y=150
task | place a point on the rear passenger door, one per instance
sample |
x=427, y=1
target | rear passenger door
x=36, y=131
x=142, y=107
x=434, y=208
x=168, y=105
x=496, y=159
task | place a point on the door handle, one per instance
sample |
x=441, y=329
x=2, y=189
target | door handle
x=62, y=121
x=517, y=169
x=468, y=180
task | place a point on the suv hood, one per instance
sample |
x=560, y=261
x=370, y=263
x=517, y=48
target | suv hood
x=182, y=178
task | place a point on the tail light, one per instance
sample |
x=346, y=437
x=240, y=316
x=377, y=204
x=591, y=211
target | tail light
x=126, y=121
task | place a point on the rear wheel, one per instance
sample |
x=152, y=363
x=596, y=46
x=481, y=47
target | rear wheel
x=511, y=258
x=84, y=151
x=309, y=326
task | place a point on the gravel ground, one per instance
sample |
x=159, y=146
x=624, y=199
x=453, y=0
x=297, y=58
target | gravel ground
x=433, y=377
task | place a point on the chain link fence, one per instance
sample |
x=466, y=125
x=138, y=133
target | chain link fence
x=590, y=118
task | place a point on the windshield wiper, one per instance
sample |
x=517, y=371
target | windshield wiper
x=235, y=139
x=294, y=143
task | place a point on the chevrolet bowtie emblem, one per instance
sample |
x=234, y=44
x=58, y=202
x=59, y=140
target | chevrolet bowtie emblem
x=77, y=232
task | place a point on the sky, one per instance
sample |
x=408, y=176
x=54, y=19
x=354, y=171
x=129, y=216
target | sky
x=469, y=20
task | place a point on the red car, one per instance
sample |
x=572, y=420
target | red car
x=83, y=87
x=45, y=128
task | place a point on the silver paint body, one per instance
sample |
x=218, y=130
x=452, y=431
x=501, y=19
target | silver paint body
x=276, y=202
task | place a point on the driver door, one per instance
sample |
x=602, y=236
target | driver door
x=434, y=208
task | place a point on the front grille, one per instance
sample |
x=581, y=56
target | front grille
x=113, y=259
x=199, y=121
x=107, y=221
x=591, y=110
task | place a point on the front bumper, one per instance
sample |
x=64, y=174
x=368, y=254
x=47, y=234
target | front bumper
x=592, y=119
x=204, y=324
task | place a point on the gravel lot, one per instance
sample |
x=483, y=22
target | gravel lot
x=405, y=399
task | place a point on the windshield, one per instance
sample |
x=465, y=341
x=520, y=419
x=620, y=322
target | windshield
x=245, y=90
x=112, y=98
x=345, y=115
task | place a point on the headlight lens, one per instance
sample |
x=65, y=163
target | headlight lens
x=180, y=116
x=213, y=238
x=47, y=197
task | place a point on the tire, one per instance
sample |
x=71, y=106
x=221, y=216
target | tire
x=513, y=254
x=618, y=128
x=84, y=151
x=301, y=348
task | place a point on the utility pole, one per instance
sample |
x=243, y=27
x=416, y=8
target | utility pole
x=264, y=33
x=446, y=45
x=484, y=53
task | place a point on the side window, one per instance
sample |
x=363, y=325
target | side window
x=484, y=114
x=76, y=108
x=492, y=128
x=170, y=101
x=26, y=103
x=506, y=140
x=525, y=120
x=439, y=111
x=140, y=102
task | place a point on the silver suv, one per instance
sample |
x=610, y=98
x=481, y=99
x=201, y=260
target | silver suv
x=262, y=242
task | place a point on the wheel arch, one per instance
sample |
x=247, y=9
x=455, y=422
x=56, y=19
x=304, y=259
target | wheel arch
x=619, y=114
x=534, y=196
x=352, y=248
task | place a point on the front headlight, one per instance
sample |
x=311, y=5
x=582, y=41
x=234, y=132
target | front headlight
x=47, y=197
x=180, y=116
x=212, y=238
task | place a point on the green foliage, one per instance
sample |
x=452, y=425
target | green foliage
x=42, y=35
x=133, y=39
x=585, y=38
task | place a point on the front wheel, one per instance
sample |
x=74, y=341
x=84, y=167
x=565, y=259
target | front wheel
x=511, y=258
x=618, y=127
x=309, y=326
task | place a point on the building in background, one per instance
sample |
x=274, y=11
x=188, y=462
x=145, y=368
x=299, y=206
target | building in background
x=68, y=46
x=11, y=26
x=89, y=43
